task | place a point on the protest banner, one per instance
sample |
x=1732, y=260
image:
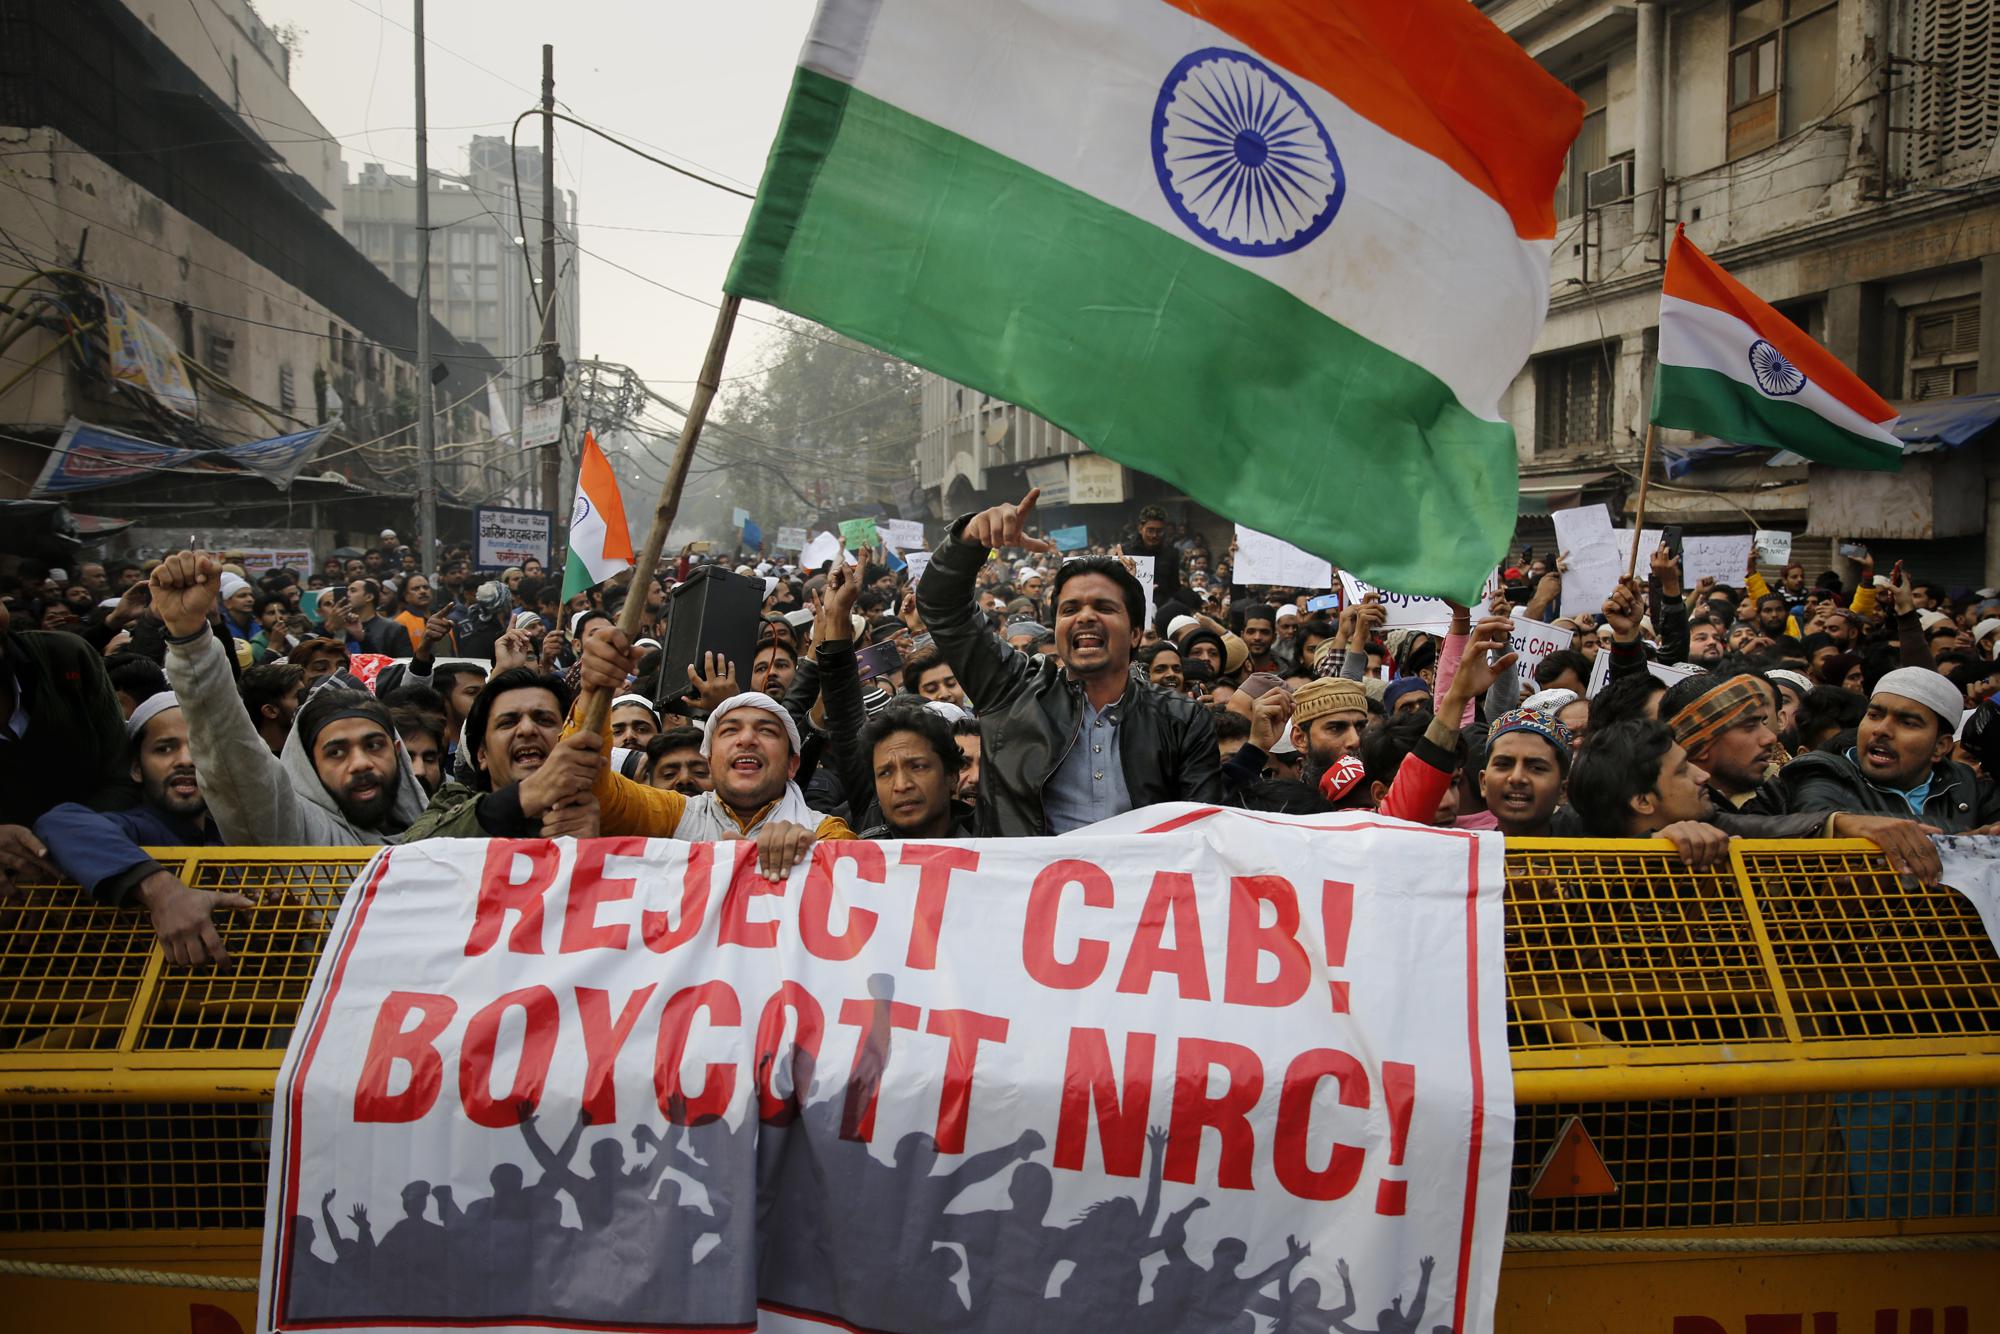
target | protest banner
x=790, y=539
x=1600, y=673
x=1263, y=559
x=504, y=537
x=1774, y=546
x=1533, y=641
x=859, y=533
x=1404, y=609
x=1073, y=538
x=624, y=1083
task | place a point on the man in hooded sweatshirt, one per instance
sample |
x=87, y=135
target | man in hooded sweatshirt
x=342, y=780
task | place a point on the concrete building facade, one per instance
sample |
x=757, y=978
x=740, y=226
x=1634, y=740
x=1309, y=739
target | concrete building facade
x=144, y=161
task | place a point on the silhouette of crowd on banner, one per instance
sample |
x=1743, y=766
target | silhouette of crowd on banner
x=836, y=1231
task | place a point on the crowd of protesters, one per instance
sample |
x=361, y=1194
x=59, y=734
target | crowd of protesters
x=187, y=701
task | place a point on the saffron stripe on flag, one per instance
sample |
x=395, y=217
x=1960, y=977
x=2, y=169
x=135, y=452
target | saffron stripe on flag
x=1417, y=258
x=1437, y=74
x=1274, y=415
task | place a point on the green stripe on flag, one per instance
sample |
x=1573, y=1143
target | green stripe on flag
x=1696, y=399
x=576, y=576
x=1142, y=343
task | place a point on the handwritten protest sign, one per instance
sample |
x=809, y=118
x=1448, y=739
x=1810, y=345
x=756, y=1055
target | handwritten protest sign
x=791, y=539
x=1593, y=558
x=1774, y=546
x=918, y=561
x=902, y=534
x=1263, y=559
x=1722, y=559
x=859, y=533
x=629, y=1083
x=1405, y=609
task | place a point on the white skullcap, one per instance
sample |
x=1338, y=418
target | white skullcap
x=1180, y=623
x=640, y=700
x=645, y=643
x=749, y=699
x=1798, y=680
x=148, y=709
x=1985, y=628
x=232, y=584
x=946, y=710
x=1550, y=701
x=1931, y=620
x=1933, y=690
x=770, y=583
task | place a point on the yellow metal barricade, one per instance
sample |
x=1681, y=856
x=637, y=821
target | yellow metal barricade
x=1786, y=1068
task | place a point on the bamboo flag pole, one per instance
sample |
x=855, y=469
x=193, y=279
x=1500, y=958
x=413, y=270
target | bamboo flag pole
x=597, y=703
x=1639, y=519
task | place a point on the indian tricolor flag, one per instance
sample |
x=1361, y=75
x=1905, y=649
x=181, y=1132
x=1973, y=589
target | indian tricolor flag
x=600, y=543
x=1732, y=367
x=1286, y=254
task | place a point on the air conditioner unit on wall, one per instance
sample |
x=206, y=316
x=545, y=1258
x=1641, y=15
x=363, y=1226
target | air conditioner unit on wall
x=1608, y=185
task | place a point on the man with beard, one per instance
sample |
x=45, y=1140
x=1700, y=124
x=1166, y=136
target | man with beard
x=1707, y=642
x=105, y=851
x=1328, y=717
x=342, y=780
x=529, y=780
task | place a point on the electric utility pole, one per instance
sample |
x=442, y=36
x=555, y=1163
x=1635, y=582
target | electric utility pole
x=426, y=387
x=552, y=374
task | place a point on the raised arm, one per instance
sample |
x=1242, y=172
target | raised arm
x=991, y=672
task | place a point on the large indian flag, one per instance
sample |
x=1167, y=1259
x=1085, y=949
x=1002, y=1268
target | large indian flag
x=1733, y=367
x=1286, y=254
x=600, y=541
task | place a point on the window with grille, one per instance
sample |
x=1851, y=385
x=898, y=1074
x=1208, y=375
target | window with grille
x=1589, y=152
x=1954, y=86
x=1782, y=58
x=287, y=393
x=1573, y=399
x=1942, y=359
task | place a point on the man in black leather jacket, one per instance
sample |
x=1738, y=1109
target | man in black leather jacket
x=1071, y=738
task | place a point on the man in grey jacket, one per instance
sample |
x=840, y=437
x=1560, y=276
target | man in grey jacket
x=342, y=779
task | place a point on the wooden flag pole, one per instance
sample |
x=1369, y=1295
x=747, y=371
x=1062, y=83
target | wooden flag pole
x=597, y=703
x=1639, y=519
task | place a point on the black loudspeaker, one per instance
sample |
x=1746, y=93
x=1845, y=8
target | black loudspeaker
x=715, y=611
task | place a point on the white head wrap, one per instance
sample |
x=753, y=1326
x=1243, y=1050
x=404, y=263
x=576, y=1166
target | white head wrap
x=749, y=699
x=148, y=709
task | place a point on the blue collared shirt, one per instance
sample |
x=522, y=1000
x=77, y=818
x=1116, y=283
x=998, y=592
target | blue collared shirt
x=1089, y=784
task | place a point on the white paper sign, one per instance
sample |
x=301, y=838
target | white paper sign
x=918, y=561
x=1600, y=672
x=1593, y=556
x=820, y=550
x=598, y=1056
x=1972, y=867
x=541, y=423
x=1534, y=641
x=791, y=539
x=1774, y=546
x=1405, y=609
x=1263, y=559
x=901, y=534
x=1722, y=559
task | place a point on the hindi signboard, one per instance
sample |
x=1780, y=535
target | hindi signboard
x=504, y=537
x=629, y=1083
x=541, y=423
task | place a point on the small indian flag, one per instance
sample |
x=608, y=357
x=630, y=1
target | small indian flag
x=1286, y=254
x=1734, y=368
x=600, y=542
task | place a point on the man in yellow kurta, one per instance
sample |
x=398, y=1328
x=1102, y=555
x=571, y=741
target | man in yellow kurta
x=752, y=748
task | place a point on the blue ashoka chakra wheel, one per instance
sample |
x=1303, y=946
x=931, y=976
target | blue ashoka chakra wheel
x=581, y=510
x=1774, y=375
x=1241, y=158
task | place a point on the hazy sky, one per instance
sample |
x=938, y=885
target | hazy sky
x=703, y=82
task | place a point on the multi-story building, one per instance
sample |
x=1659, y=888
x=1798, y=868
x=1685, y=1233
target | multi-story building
x=485, y=269
x=1841, y=157
x=158, y=157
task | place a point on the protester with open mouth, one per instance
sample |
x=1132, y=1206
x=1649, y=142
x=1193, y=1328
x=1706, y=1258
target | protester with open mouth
x=528, y=779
